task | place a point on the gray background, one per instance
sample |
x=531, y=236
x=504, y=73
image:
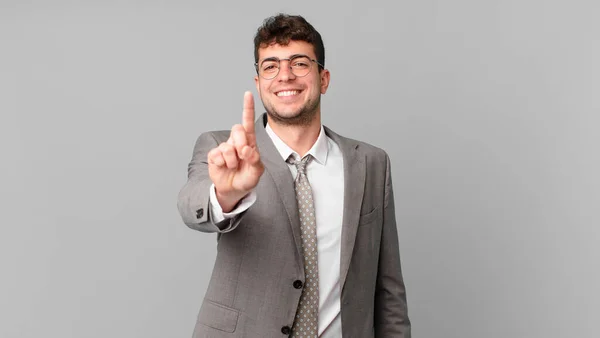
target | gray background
x=488, y=109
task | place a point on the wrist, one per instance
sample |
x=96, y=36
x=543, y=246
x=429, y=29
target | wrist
x=228, y=202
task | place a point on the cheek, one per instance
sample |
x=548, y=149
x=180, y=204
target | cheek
x=266, y=87
x=262, y=86
x=262, y=89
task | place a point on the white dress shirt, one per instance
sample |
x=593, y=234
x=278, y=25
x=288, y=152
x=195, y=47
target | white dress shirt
x=325, y=174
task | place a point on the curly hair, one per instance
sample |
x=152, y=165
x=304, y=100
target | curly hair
x=283, y=28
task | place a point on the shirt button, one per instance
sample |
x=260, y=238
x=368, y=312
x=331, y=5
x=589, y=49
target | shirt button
x=286, y=330
x=298, y=284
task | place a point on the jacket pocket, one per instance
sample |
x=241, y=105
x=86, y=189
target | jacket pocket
x=368, y=217
x=218, y=316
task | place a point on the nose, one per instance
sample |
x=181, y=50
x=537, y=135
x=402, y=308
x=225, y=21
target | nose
x=285, y=71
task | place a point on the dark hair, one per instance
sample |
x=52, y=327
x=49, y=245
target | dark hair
x=283, y=28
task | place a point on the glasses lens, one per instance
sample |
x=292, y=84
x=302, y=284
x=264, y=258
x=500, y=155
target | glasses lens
x=269, y=69
x=300, y=65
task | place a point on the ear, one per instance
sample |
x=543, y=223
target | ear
x=325, y=78
x=257, y=84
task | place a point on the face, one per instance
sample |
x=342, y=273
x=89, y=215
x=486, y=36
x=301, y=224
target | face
x=289, y=99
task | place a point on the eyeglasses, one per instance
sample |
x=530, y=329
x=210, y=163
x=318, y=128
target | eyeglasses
x=300, y=65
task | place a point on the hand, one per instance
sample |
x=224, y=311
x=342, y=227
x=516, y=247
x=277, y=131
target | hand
x=234, y=166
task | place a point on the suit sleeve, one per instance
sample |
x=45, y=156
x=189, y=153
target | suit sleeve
x=194, y=198
x=391, y=313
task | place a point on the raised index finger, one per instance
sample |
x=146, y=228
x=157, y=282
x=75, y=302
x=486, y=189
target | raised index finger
x=248, y=118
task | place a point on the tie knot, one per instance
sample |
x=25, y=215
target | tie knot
x=300, y=165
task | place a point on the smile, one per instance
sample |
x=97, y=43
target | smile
x=285, y=93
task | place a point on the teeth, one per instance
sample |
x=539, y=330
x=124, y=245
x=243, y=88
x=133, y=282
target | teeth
x=287, y=93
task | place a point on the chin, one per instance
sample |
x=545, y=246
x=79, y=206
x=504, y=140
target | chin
x=289, y=115
x=302, y=117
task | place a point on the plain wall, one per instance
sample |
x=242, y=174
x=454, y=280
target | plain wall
x=489, y=110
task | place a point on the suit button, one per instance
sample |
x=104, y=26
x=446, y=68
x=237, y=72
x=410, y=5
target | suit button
x=199, y=213
x=286, y=330
x=298, y=284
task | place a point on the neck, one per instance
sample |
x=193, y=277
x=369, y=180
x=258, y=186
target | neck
x=298, y=137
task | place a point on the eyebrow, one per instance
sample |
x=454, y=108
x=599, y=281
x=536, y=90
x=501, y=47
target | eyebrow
x=274, y=58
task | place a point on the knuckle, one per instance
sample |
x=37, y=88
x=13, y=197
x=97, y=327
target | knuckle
x=238, y=126
x=227, y=152
x=214, y=154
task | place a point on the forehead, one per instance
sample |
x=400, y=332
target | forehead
x=282, y=52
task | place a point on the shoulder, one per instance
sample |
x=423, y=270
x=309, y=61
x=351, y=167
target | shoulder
x=214, y=136
x=371, y=150
x=372, y=153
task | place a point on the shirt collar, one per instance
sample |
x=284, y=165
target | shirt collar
x=319, y=150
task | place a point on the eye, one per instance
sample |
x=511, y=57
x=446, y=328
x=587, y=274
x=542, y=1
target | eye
x=301, y=63
x=269, y=67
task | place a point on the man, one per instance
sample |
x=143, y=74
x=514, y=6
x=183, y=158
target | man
x=307, y=239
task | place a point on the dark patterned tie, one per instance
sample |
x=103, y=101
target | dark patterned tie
x=307, y=315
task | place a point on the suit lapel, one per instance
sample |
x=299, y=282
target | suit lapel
x=354, y=186
x=282, y=177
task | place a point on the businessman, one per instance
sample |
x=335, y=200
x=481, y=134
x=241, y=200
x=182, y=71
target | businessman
x=307, y=237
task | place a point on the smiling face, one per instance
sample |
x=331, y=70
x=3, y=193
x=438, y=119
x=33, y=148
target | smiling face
x=289, y=99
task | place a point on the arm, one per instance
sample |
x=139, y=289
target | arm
x=194, y=203
x=391, y=314
x=233, y=166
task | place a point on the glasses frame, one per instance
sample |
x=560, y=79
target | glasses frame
x=289, y=59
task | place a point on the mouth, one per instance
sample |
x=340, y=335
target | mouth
x=287, y=93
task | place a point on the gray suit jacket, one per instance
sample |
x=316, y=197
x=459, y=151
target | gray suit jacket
x=251, y=292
